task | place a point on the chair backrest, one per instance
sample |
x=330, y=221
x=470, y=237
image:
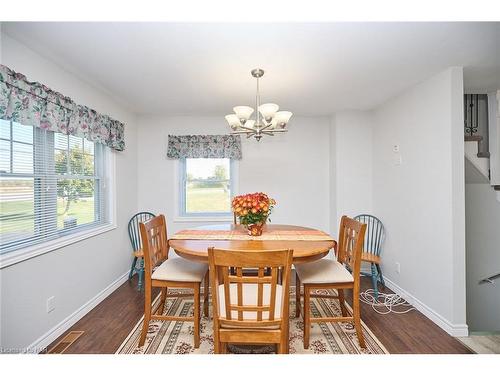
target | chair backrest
x=351, y=237
x=375, y=233
x=133, y=228
x=258, y=307
x=155, y=244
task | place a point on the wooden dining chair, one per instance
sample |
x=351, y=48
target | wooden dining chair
x=372, y=248
x=250, y=309
x=340, y=274
x=136, y=242
x=164, y=273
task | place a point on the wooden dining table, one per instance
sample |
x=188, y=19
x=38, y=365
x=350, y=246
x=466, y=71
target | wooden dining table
x=308, y=244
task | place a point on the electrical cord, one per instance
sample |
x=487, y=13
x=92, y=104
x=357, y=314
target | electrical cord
x=385, y=303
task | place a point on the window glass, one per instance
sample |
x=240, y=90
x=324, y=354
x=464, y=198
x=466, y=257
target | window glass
x=207, y=187
x=49, y=185
x=17, y=208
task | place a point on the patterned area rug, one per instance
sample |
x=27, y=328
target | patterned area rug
x=169, y=337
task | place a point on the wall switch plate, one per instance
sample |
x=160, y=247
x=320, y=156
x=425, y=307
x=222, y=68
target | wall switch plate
x=51, y=304
x=398, y=267
x=397, y=159
x=395, y=148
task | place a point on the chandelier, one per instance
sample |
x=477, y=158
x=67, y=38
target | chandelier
x=268, y=119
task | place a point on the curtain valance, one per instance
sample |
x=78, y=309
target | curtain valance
x=204, y=146
x=32, y=103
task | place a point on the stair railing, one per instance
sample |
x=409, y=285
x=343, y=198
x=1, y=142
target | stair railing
x=490, y=279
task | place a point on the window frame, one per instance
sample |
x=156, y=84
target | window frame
x=65, y=237
x=180, y=189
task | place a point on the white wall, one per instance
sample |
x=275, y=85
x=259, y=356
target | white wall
x=421, y=201
x=483, y=257
x=351, y=163
x=293, y=168
x=77, y=273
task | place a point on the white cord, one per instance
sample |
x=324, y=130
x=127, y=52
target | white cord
x=385, y=303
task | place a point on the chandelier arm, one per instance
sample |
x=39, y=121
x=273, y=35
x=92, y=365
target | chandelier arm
x=277, y=131
x=265, y=127
x=249, y=129
x=268, y=133
x=242, y=132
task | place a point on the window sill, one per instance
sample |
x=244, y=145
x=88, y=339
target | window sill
x=182, y=219
x=17, y=256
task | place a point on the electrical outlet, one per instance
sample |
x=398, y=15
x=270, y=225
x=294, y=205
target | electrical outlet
x=398, y=267
x=51, y=304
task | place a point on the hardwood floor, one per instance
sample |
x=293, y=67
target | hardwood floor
x=109, y=323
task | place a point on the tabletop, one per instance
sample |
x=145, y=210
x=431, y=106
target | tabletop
x=303, y=250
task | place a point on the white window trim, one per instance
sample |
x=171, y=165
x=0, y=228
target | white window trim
x=23, y=254
x=203, y=218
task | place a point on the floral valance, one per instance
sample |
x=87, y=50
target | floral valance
x=204, y=146
x=31, y=103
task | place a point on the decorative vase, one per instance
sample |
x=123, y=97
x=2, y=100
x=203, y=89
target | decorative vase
x=255, y=229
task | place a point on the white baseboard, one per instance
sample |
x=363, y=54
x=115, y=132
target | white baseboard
x=455, y=330
x=42, y=342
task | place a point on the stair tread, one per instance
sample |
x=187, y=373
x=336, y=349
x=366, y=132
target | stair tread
x=485, y=154
x=473, y=138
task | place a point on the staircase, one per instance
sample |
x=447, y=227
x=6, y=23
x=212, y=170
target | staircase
x=483, y=154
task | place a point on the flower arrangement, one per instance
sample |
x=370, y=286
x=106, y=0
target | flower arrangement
x=253, y=210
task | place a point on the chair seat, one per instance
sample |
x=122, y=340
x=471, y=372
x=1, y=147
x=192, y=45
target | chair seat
x=249, y=292
x=323, y=271
x=368, y=257
x=178, y=269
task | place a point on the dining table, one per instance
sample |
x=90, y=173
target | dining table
x=308, y=244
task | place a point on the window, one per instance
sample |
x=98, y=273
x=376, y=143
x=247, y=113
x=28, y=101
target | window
x=51, y=185
x=206, y=187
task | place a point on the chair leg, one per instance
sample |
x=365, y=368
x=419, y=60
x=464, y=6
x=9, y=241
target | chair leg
x=297, y=296
x=197, y=315
x=132, y=268
x=307, y=316
x=163, y=298
x=285, y=342
x=357, y=317
x=374, y=277
x=281, y=347
x=380, y=274
x=205, y=295
x=342, y=302
x=216, y=338
x=147, y=316
x=141, y=274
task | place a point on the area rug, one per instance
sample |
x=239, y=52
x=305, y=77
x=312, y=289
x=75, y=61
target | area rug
x=169, y=337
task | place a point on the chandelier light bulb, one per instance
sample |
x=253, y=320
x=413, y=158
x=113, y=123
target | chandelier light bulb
x=233, y=121
x=243, y=112
x=282, y=118
x=268, y=110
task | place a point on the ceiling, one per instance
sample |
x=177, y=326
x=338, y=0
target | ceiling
x=311, y=69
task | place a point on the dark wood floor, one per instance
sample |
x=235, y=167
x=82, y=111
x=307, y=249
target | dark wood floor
x=109, y=323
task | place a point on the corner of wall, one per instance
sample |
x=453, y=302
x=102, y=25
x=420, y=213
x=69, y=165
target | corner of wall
x=332, y=177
